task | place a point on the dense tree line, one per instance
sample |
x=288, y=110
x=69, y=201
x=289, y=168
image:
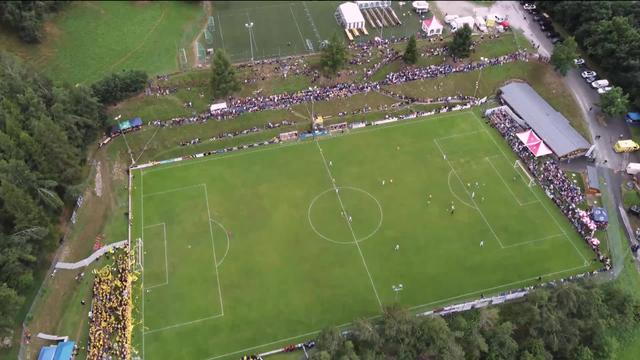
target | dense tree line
x=119, y=86
x=44, y=130
x=571, y=321
x=609, y=32
x=26, y=17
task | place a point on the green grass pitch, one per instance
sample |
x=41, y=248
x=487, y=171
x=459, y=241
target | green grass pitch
x=254, y=249
x=283, y=28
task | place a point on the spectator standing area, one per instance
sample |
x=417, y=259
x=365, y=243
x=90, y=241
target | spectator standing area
x=534, y=112
x=255, y=249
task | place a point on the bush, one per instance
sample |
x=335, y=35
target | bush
x=119, y=86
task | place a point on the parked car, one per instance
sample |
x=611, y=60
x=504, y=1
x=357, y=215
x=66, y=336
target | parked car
x=537, y=17
x=529, y=6
x=555, y=40
x=634, y=210
x=552, y=34
x=545, y=27
x=588, y=73
x=604, y=90
x=578, y=61
x=590, y=79
x=600, y=83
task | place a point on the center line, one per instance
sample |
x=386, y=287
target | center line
x=355, y=240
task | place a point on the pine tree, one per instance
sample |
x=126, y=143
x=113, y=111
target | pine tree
x=223, y=76
x=460, y=46
x=334, y=56
x=411, y=52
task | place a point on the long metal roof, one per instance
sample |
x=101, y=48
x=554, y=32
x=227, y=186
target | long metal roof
x=554, y=129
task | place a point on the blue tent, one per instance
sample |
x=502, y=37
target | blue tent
x=136, y=122
x=47, y=352
x=62, y=351
x=600, y=215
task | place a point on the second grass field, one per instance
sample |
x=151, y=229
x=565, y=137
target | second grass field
x=257, y=249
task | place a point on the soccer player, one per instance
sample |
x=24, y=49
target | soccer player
x=481, y=243
x=397, y=247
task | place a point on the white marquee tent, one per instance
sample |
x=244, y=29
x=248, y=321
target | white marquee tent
x=349, y=16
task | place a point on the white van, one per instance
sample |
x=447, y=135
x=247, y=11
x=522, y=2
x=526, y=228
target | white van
x=600, y=84
x=633, y=168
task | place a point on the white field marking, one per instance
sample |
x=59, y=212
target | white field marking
x=213, y=246
x=220, y=27
x=497, y=287
x=182, y=324
x=172, y=190
x=524, y=180
x=297, y=26
x=508, y=187
x=534, y=240
x=228, y=242
x=543, y=205
x=355, y=239
x=472, y=199
x=273, y=342
x=166, y=261
x=142, y=237
x=344, y=242
x=377, y=316
x=455, y=194
x=313, y=23
x=280, y=146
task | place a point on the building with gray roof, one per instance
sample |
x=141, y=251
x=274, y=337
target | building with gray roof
x=551, y=126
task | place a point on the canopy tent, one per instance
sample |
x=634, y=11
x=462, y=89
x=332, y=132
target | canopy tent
x=217, y=107
x=62, y=351
x=349, y=15
x=420, y=6
x=432, y=26
x=124, y=125
x=136, y=122
x=600, y=215
x=534, y=143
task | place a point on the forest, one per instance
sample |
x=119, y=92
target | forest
x=44, y=132
x=578, y=321
x=609, y=33
x=26, y=18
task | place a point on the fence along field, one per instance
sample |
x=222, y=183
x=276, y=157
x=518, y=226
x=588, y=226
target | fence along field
x=255, y=249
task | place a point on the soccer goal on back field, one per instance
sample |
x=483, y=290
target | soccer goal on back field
x=255, y=249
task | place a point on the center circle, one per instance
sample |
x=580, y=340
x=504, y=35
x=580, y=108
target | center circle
x=345, y=215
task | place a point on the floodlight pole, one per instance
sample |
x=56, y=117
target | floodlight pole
x=250, y=27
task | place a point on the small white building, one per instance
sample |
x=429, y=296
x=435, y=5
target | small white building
x=432, y=27
x=420, y=6
x=373, y=4
x=349, y=16
x=461, y=21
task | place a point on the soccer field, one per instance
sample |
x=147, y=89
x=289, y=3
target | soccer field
x=256, y=249
x=283, y=28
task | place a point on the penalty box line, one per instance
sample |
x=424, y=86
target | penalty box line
x=444, y=156
x=206, y=198
x=507, y=185
x=584, y=259
x=166, y=261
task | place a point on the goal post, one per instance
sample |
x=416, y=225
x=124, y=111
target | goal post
x=523, y=170
x=139, y=255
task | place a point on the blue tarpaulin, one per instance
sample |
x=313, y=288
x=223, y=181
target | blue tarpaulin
x=47, y=353
x=600, y=215
x=633, y=117
x=136, y=122
x=124, y=125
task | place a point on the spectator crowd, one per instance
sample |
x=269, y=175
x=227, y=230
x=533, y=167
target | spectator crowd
x=564, y=193
x=110, y=315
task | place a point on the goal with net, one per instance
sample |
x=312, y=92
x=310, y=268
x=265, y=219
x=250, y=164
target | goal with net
x=518, y=165
x=138, y=254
